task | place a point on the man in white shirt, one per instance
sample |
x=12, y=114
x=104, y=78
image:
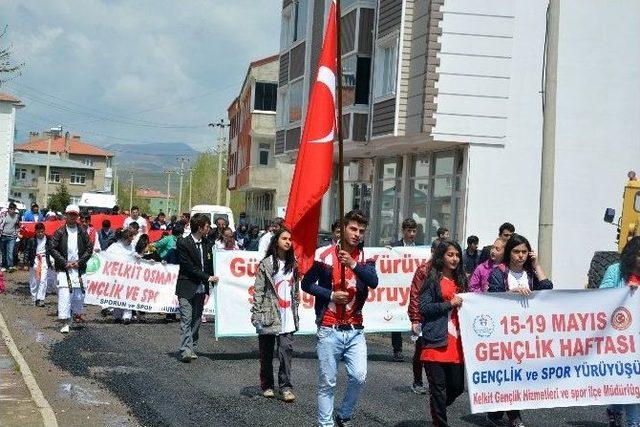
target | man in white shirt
x=71, y=249
x=265, y=240
x=135, y=217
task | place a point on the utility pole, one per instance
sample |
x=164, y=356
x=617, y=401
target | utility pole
x=547, y=168
x=48, y=169
x=190, y=186
x=168, y=173
x=181, y=174
x=221, y=125
x=131, y=192
x=115, y=181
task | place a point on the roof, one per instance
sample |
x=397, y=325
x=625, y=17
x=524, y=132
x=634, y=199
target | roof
x=76, y=146
x=55, y=161
x=149, y=193
x=263, y=61
x=7, y=97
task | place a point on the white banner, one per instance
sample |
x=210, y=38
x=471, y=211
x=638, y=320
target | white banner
x=554, y=349
x=384, y=311
x=130, y=283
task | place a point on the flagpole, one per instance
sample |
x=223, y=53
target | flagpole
x=340, y=140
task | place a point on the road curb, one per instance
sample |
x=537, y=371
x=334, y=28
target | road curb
x=48, y=416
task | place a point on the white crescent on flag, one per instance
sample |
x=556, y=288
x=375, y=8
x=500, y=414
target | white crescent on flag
x=328, y=78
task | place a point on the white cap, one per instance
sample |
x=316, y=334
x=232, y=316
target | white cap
x=51, y=213
x=72, y=209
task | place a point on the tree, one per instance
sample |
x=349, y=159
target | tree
x=205, y=183
x=60, y=199
x=123, y=199
x=8, y=69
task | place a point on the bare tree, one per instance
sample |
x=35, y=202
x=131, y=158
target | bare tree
x=8, y=69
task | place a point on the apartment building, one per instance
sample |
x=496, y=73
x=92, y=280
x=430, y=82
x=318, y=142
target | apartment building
x=454, y=116
x=29, y=184
x=252, y=167
x=72, y=147
x=8, y=106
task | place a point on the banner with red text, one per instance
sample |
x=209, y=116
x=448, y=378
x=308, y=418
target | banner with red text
x=554, y=349
x=384, y=311
x=130, y=283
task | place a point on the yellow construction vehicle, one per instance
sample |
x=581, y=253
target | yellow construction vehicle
x=628, y=226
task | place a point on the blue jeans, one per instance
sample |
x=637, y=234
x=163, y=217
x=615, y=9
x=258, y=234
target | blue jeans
x=631, y=413
x=332, y=346
x=7, y=244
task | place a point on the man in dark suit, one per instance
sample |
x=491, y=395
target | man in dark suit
x=194, y=279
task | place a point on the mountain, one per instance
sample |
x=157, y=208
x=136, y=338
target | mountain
x=149, y=161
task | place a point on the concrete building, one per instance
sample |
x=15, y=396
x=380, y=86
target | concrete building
x=454, y=131
x=158, y=202
x=252, y=167
x=29, y=180
x=73, y=148
x=8, y=106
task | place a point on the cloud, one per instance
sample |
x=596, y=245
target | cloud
x=118, y=58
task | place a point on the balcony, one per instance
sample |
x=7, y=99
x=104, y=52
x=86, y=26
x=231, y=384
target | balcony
x=108, y=173
x=31, y=183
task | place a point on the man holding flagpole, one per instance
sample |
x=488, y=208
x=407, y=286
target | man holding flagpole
x=341, y=280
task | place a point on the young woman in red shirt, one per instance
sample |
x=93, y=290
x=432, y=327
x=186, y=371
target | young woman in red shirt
x=442, y=347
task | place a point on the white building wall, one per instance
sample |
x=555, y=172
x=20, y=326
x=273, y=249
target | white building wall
x=489, y=84
x=7, y=131
x=597, y=128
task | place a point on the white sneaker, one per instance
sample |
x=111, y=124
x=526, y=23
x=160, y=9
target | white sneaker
x=3, y=269
x=65, y=329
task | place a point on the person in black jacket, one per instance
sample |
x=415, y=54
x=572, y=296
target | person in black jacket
x=70, y=248
x=409, y=229
x=505, y=232
x=441, y=344
x=37, y=258
x=194, y=279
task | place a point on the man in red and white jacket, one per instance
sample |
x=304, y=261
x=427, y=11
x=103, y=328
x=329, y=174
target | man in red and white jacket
x=339, y=317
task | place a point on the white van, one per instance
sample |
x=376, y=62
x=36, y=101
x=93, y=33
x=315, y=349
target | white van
x=214, y=212
x=97, y=202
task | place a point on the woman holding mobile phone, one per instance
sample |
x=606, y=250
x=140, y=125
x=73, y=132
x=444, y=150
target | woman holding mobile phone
x=519, y=273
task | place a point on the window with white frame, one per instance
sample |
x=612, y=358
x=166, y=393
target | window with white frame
x=21, y=174
x=301, y=20
x=54, y=175
x=295, y=101
x=87, y=161
x=75, y=200
x=385, y=67
x=265, y=149
x=77, y=177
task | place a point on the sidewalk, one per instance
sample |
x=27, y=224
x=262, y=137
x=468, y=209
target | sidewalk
x=17, y=408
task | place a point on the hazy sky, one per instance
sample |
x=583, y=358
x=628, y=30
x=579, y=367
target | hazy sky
x=122, y=71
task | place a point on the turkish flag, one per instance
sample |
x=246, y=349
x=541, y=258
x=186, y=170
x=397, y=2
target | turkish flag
x=314, y=165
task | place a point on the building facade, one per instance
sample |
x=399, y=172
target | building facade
x=29, y=182
x=455, y=112
x=8, y=106
x=72, y=147
x=252, y=167
x=158, y=202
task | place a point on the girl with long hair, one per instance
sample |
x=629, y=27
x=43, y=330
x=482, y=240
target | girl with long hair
x=519, y=273
x=275, y=312
x=624, y=273
x=441, y=344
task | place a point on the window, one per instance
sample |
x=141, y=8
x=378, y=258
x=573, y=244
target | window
x=386, y=63
x=636, y=202
x=77, y=177
x=75, y=200
x=87, y=161
x=17, y=194
x=265, y=149
x=265, y=96
x=54, y=176
x=356, y=71
x=21, y=174
x=389, y=174
x=286, y=30
x=282, y=107
x=295, y=101
x=419, y=195
x=301, y=20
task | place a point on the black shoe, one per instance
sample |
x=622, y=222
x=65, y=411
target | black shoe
x=126, y=321
x=104, y=312
x=615, y=418
x=397, y=356
x=341, y=422
x=39, y=303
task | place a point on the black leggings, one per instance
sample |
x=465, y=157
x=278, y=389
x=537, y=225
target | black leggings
x=446, y=383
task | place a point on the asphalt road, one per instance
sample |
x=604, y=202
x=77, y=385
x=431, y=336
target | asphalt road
x=135, y=368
